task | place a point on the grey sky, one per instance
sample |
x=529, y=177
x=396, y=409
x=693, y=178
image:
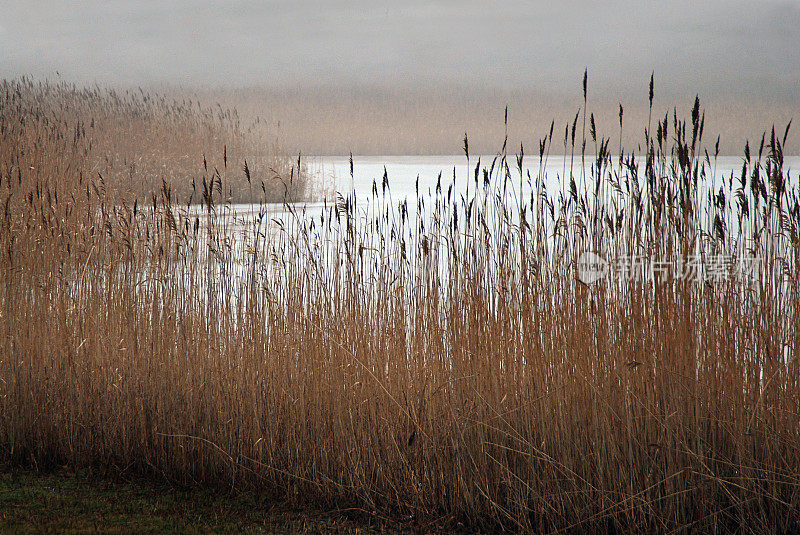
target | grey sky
x=742, y=47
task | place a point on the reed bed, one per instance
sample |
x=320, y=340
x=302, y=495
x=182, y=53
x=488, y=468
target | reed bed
x=440, y=360
x=132, y=141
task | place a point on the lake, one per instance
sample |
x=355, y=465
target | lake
x=403, y=171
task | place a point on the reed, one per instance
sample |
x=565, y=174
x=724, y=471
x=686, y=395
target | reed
x=440, y=360
x=134, y=140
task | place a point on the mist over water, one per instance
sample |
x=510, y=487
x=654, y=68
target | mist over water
x=431, y=120
x=384, y=78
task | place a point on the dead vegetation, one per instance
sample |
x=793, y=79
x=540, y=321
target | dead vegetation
x=433, y=360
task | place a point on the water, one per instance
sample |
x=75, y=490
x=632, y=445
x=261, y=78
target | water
x=403, y=171
x=410, y=177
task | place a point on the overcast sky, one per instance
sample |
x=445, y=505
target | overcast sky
x=740, y=46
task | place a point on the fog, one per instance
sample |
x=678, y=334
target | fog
x=738, y=54
x=740, y=45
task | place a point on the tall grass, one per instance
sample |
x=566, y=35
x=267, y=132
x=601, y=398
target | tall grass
x=439, y=360
x=132, y=141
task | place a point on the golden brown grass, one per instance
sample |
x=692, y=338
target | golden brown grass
x=132, y=141
x=443, y=366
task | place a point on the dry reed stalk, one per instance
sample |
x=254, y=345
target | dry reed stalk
x=436, y=360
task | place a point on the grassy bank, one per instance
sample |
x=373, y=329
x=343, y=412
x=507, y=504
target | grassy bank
x=78, y=502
